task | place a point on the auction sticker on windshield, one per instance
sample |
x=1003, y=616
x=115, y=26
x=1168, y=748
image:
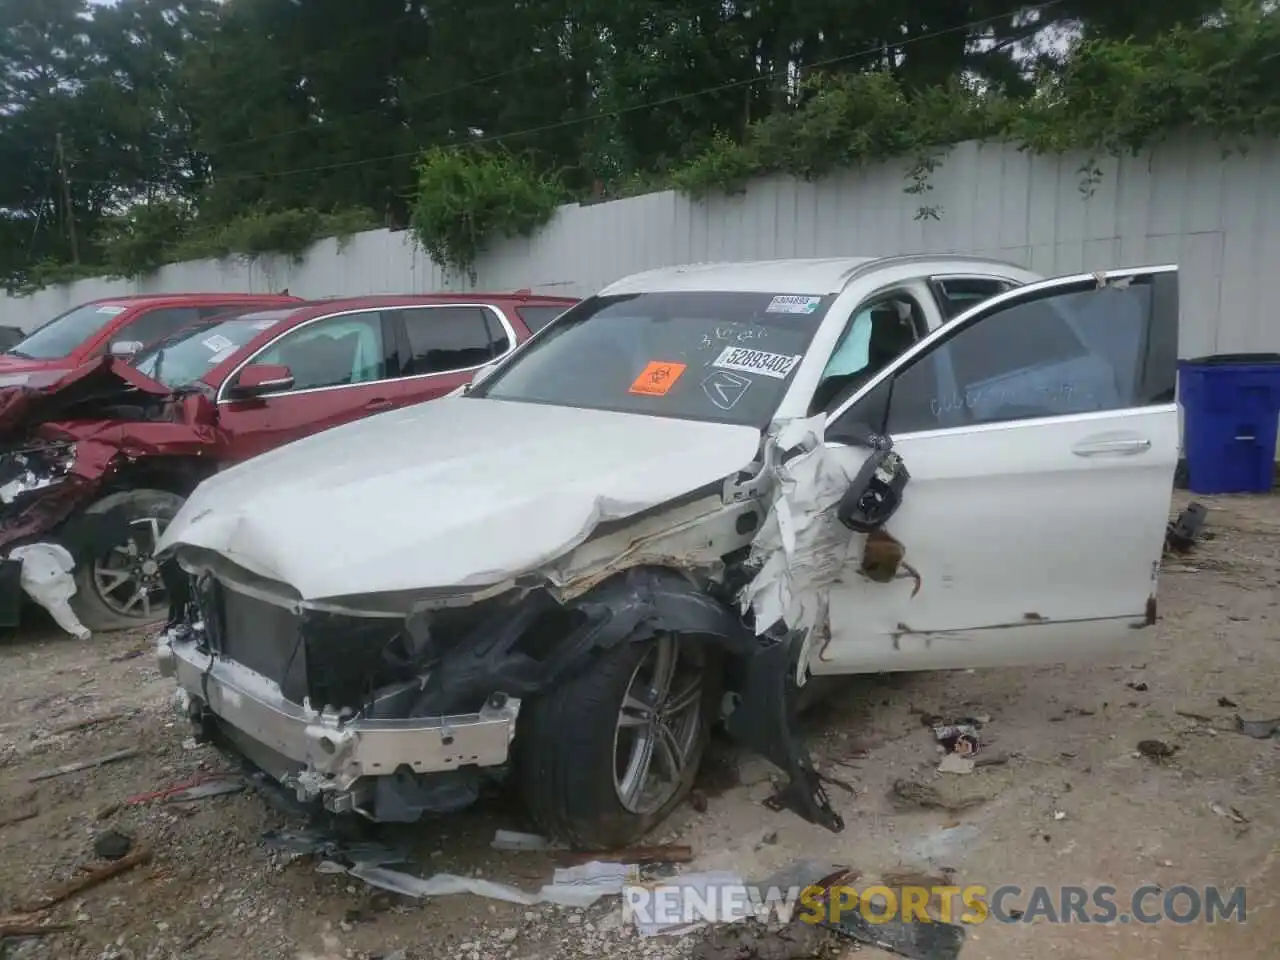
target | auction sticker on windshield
x=784, y=304
x=745, y=360
x=657, y=378
x=217, y=343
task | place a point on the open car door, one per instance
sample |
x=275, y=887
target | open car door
x=1040, y=430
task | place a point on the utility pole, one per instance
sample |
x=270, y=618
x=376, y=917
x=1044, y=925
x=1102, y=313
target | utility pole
x=66, y=200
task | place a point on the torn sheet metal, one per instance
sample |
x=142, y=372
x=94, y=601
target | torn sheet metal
x=633, y=606
x=764, y=721
x=100, y=382
x=802, y=546
x=418, y=503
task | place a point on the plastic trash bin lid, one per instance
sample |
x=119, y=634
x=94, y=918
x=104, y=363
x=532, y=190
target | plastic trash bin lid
x=1224, y=358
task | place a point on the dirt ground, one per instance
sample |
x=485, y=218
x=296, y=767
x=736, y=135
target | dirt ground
x=1074, y=802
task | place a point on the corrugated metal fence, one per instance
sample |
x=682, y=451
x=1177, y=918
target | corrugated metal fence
x=1216, y=214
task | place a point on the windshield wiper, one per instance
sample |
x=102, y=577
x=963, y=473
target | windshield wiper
x=17, y=353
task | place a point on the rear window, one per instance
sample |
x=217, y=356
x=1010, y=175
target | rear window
x=535, y=318
x=726, y=357
x=185, y=357
x=63, y=334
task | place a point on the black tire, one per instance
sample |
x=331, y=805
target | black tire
x=130, y=506
x=566, y=751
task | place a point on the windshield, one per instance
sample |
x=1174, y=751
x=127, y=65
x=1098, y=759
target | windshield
x=188, y=355
x=727, y=357
x=60, y=336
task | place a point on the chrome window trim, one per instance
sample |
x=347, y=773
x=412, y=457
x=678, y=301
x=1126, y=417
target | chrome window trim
x=982, y=308
x=1048, y=419
x=495, y=310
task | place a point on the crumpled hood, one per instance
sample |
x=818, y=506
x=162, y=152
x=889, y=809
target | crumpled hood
x=22, y=371
x=102, y=381
x=461, y=491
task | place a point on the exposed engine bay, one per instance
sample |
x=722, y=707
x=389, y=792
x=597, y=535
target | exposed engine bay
x=362, y=707
x=34, y=466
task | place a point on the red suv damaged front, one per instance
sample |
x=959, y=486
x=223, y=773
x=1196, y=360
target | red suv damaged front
x=94, y=466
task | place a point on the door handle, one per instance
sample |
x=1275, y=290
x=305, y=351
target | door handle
x=1126, y=446
x=379, y=403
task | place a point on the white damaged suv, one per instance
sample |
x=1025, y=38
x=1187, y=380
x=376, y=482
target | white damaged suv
x=676, y=505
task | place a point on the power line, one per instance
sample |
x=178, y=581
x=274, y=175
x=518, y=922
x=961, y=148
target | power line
x=317, y=55
x=666, y=20
x=320, y=127
x=879, y=49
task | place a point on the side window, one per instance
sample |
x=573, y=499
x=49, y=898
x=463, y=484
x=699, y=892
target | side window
x=957, y=294
x=445, y=339
x=876, y=335
x=535, y=318
x=1059, y=354
x=154, y=325
x=333, y=352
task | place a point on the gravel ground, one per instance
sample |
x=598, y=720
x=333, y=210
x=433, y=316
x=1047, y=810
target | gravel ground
x=1073, y=802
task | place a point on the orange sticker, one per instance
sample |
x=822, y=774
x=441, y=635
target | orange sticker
x=657, y=378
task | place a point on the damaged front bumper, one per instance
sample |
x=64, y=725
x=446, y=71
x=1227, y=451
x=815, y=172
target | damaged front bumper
x=320, y=755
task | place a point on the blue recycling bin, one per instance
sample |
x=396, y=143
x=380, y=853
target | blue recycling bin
x=1231, y=405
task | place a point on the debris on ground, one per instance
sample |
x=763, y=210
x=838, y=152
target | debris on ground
x=19, y=817
x=133, y=654
x=1231, y=813
x=897, y=879
x=699, y=886
x=1258, y=729
x=806, y=873
x=795, y=941
x=916, y=941
x=514, y=841
x=319, y=843
x=90, y=722
x=91, y=878
x=956, y=763
x=579, y=886
x=1156, y=750
x=1190, y=715
x=213, y=785
x=668, y=853
x=202, y=791
x=112, y=845
x=79, y=765
x=18, y=927
x=959, y=737
x=1181, y=534
x=1227, y=702
x=1139, y=685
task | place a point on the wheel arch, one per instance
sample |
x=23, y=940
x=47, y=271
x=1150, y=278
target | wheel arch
x=176, y=475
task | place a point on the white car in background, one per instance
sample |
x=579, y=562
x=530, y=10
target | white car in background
x=676, y=505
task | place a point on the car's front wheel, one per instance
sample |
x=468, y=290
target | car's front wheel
x=607, y=755
x=119, y=585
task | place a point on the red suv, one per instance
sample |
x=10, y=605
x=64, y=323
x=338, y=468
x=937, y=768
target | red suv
x=123, y=325
x=94, y=466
